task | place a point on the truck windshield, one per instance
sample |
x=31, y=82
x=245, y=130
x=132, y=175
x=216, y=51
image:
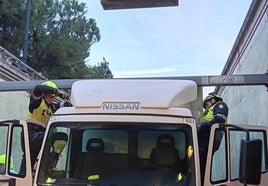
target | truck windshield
x=118, y=154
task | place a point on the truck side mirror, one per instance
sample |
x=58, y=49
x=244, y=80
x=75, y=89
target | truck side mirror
x=250, y=161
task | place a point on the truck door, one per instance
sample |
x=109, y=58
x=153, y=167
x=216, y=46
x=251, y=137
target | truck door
x=223, y=165
x=15, y=168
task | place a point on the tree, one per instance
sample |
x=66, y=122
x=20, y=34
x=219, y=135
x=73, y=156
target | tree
x=11, y=24
x=96, y=72
x=60, y=37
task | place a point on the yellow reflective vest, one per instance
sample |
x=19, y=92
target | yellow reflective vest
x=221, y=111
x=208, y=115
x=40, y=115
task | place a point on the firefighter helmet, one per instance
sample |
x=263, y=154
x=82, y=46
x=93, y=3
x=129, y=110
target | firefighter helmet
x=50, y=84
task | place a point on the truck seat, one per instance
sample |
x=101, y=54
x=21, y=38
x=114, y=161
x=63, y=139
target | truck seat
x=95, y=163
x=164, y=154
x=95, y=145
x=91, y=162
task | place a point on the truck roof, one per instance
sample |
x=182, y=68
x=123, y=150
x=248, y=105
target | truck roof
x=132, y=93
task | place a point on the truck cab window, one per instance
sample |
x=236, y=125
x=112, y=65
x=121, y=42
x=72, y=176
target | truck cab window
x=17, y=161
x=3, y=146
x=115, y=141
x=219, y=160
x=102, y=152
x=235, y=140
x=147, y=141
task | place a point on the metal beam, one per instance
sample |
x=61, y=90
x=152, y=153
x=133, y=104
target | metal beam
x=226, y=80
x=129, y=4
x=218, y=80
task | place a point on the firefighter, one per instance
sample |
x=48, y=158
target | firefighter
x=216, y=111
x=41, y=107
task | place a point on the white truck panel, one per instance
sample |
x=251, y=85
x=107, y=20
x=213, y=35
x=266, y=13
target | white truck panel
x=141, y=93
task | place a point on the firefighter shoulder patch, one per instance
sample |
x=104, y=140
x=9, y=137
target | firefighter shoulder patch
x=221, y=106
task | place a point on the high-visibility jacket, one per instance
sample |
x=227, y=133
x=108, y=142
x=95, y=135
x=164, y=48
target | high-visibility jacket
x=3, y=162
x=215, y=114
x=41, y=114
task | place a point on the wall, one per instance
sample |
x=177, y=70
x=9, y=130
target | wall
x=248, y=104
x=14, y=105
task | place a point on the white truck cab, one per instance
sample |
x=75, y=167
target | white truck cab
x=134, y=132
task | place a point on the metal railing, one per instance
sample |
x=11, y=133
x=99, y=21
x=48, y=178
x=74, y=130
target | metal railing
x=11, y=64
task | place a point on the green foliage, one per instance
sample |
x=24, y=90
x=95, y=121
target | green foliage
x=60, y=36
x=12, y=18
x=96, y=72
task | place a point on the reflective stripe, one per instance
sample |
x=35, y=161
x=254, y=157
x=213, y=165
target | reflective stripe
x=93, y=177
x=179, y=177
x=222, y=116
x=37, y=97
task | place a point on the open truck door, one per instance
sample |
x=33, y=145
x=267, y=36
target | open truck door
x=241, y=158
x=15, y=168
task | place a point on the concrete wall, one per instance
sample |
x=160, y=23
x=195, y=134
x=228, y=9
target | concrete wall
x=249, y=104
x=14, y=105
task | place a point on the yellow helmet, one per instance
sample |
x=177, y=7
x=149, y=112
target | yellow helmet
x=50, y=84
